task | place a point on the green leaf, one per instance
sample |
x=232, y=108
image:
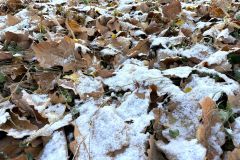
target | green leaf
x=174, y=133
x=224, y=115
x=2, y=78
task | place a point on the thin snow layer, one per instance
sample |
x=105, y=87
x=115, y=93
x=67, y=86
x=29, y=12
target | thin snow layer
x=39, y=102
x=216, y=58
x=164, y=48
x=104, y=130
x=236, y=132
x=217, y=139
x=206, y=86
x=133, y=71
x=181, y=72
x=54, y=112
x=56, y=148
x=19, y=133
x=48, y=129
x=181, y=149
x=87, y=85
x=4, y=116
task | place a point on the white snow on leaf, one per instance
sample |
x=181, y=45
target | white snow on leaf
x=56, y=148
x=4, y=116
x=181, y=149
x=236, y=132
x=40, y=102
x=181, y=72
x=19, y=133
x=101, y=132
x=54, y=112
x=216, y=58
x=48, y=129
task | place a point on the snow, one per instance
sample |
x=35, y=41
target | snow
x=236, y=132
x=54, y=112
x=4, y=115
x=102, y=132
x=48, y=129
x=181, y=72
x=56, y=148
x=87, y=85
x=216, y=58
x=181, y=149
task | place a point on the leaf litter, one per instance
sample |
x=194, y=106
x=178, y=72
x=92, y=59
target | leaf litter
x=128, y=79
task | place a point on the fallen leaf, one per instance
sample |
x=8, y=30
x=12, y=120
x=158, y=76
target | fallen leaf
x=52, y=53
x=172, y=9
x=211, y=119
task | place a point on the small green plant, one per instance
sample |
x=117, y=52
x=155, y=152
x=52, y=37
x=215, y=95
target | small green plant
x=85, y=1
x=174, y=133
x=12, y=47
x=2, y=78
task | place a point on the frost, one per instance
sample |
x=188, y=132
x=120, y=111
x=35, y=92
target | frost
x=48, y=129
x=56, y=148
x=102, y=132
x=181, y=149
x=181, y=72
x=4, y=116
x=236, y=132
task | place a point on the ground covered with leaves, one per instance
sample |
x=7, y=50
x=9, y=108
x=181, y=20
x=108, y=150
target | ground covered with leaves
x=120, y=79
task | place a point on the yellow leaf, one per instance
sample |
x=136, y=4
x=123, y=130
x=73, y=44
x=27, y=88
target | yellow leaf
x=187, y=90
x=74, y=77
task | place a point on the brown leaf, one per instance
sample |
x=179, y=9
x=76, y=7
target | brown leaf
x=4, y=55
x=171, y=10
x=45, y=81
x=114, y=25
x=210, y=117
x=13, y=5
x=234, y=155
x=52, y=53
x=21, y=39
x=12, y=20
x=143, y=47
x=101, y=23
x=104, y=73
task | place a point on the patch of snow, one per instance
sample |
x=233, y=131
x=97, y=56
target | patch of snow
x=181, y=72
x=4, y=116
x=19, y=133
x=56, y=148
x=181, y=149
x=236, y=132
x=102, y=132
x=54, y=112
x=48, y=129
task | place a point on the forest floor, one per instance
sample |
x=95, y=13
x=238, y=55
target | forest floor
x=119, y=79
